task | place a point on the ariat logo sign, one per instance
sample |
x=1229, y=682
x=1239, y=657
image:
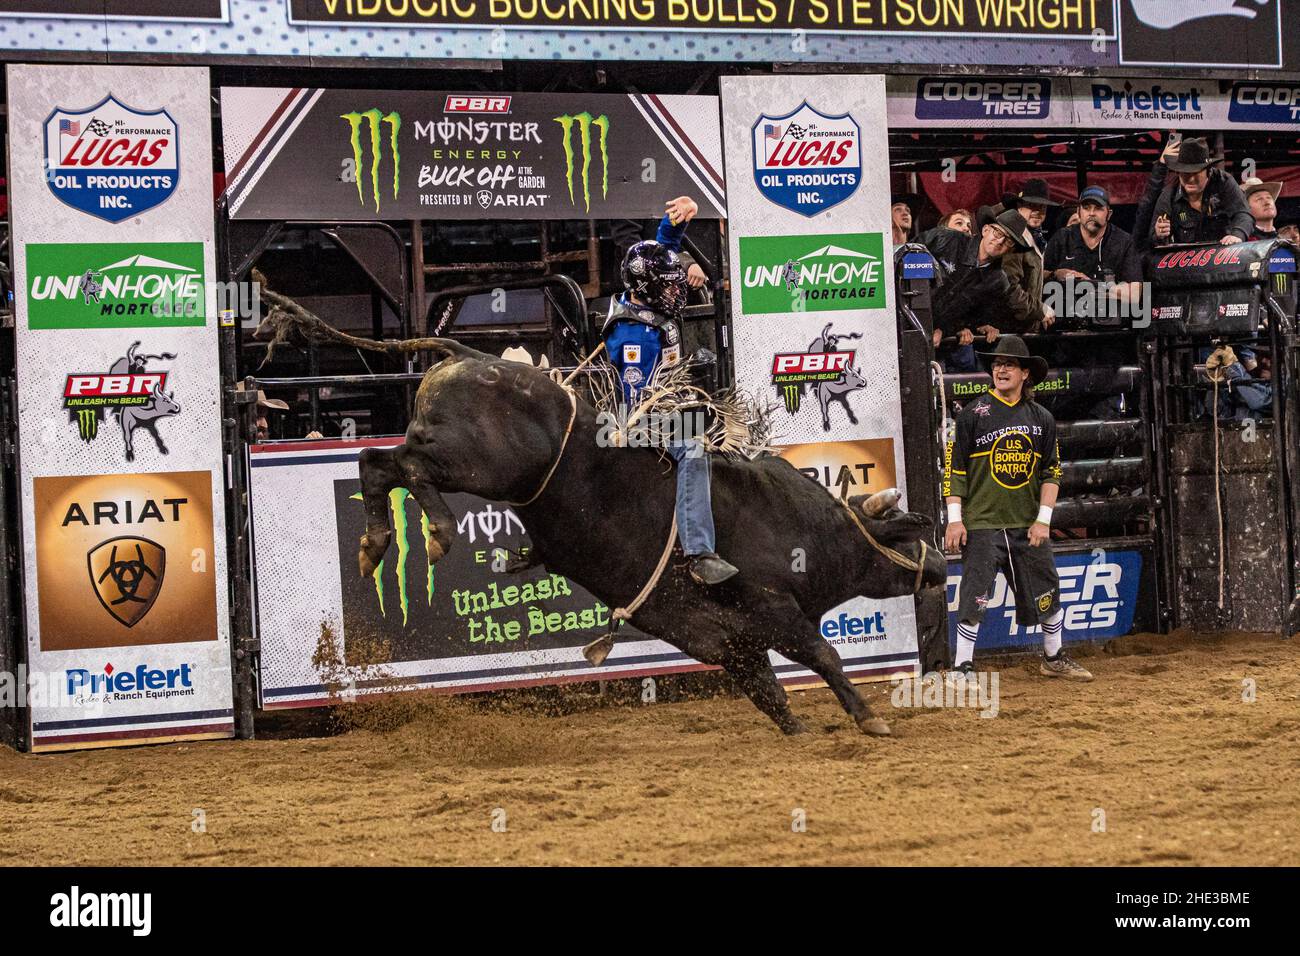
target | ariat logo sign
x=379, y=128
x=846, y=468
x=807, y=161
x=580, y=127
x=125, y=560
x=127, y=575
x=111, y=161
x=1011, y=460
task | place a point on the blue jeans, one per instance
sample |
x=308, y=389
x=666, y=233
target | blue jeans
x=694, y=501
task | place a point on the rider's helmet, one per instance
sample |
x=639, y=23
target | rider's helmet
x=655, y=275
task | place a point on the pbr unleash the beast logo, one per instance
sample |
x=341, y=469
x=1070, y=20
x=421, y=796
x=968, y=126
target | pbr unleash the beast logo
x=111, y=161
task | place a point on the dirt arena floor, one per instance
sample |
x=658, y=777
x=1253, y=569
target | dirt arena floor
x=1184, y=770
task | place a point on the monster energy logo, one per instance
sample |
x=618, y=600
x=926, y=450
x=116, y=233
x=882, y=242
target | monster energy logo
x=88, y=423
x=397, y=505
x=791, y=393
x=584, y=121
x=374, y=118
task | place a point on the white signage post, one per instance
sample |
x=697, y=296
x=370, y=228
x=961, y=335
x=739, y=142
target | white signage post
x=812, y=300
x=119, y=405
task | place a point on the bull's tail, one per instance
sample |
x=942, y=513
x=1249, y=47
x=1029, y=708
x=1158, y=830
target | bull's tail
x=287, y=317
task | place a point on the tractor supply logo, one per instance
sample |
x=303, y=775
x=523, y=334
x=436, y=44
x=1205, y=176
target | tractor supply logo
x=846, y=468
x=961, y=98
x=115, y=285
x=1274, y=104
x=476, y=104
x=827, y=372
x=111, y=161
x=135, y=395
x=1098, y=596
x=806, y=161
x=579, y=127
x=374, y=122
x=125, y=560
x=127, y=575
x=1151, y=103
x=811, y=273
x=1011, y=459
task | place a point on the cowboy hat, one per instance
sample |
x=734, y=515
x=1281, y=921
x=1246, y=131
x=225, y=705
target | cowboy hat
x=1013, y=346
x=1011, y=224
x=1193, y=156
x=263, y=401
x=1253, y=184
x=1034, y=193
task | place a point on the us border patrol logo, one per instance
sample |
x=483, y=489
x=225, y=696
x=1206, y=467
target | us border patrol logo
x=807, y=161
x=111, y=161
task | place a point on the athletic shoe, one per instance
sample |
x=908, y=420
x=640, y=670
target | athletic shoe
x=957, y=677
x=1062, y=666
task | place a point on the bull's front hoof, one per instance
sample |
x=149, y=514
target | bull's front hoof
x=874, y=727
x=793, y=727
x=371, y=554
x=434, y=548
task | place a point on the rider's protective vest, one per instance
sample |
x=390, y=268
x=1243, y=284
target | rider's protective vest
x=637, y=338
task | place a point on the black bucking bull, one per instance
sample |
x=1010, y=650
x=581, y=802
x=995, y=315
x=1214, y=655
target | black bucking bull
x=497, y=429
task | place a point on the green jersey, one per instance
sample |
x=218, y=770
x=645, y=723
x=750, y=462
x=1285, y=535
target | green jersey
x=998, y=461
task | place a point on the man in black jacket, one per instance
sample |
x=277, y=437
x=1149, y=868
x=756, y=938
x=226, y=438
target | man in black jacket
x=974, y=293
x=1205, y=206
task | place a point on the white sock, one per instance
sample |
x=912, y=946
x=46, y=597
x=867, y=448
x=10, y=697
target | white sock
x=1052, y=628
x=966, y=635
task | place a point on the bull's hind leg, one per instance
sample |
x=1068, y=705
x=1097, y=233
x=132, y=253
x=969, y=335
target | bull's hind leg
x=379, y=476
x=753, y=672
x=801, y=642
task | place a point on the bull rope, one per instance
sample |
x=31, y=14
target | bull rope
x=599, y=649
x=897, y=557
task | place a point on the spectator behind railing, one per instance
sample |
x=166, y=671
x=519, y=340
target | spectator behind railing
x=960, y=220
x=1024, y=267
x=974, y=292
x=1205, y=205
x=902, y=216
x=1261, y=197
x=1289, y=231
x=1094, y=250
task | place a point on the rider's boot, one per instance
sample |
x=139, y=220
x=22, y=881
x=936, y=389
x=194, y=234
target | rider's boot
x=709, y=569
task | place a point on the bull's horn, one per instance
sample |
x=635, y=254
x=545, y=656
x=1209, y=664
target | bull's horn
x=880, y=502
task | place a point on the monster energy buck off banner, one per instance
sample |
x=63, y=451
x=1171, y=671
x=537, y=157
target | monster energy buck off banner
x=812, y=287
x=119, y=414
x=385, y=154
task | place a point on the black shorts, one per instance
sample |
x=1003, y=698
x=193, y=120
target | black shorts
x=1030, y=572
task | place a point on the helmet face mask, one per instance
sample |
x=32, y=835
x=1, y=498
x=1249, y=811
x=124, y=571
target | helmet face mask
x=654, y=274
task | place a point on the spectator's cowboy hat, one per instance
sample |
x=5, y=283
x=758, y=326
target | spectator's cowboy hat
x=1011, y=224
x=1253, y=184
x=1094, y=194
x=1193, y=156
x=1013, y=346
x=264, y=402
x=1034, y=193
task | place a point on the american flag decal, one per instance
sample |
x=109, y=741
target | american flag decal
x=772, y=131
x=68, y=127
